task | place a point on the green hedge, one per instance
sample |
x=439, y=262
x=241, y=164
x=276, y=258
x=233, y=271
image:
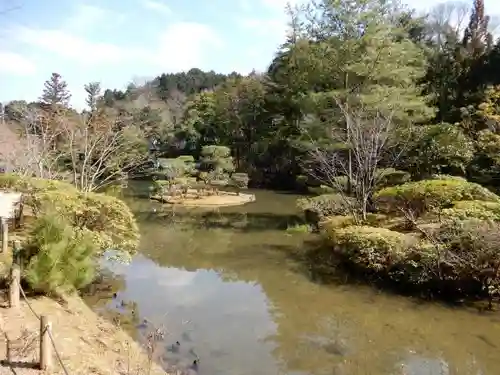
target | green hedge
x=427, y=195
x=370, y=248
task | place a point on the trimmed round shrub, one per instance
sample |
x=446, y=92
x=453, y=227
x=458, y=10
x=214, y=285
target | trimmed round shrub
x=427, y=195
x=317, y=208
x=370, y=248
x=473, y=209
x=106, y=219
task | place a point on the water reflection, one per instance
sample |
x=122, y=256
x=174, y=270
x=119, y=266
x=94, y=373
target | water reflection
x=241, y=300
x=204, y=314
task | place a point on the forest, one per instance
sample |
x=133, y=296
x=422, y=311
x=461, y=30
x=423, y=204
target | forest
x=432, y=77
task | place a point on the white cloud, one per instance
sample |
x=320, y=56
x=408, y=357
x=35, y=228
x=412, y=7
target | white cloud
x=70, y=46
x=182, y=44
x=157, y=6
x=13, y=63
x=175, y=278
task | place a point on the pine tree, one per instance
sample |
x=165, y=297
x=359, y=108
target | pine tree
x=93, y=90
x=55, y=92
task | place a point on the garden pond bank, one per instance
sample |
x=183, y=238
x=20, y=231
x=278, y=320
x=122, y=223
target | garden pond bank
x=232, y=290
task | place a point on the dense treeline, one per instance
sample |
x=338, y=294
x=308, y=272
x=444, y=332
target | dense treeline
x=423, y=72
x=436, y=80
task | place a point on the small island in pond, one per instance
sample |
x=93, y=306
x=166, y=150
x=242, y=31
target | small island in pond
x=185, y=182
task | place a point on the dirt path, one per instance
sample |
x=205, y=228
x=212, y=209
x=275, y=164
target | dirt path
x=86, y=342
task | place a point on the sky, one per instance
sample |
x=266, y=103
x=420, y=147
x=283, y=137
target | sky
x=116, y=42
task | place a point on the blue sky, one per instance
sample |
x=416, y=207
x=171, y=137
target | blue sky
x=117, y=41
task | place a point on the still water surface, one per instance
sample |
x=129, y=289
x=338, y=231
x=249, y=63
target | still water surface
x=230, y=288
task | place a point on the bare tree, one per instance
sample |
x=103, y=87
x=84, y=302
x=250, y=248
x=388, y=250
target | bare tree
x=27, y=145
x=101, y=149
x=448, y=19
x=367, y=137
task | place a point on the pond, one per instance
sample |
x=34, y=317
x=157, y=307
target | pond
x=231, y=289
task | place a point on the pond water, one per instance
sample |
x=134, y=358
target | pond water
x=231, y=289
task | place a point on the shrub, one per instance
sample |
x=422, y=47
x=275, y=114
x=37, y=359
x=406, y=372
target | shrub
x=438, y=148
x=322, y=206
x=428, y=195
x=370, y=248
x=239, y=181
x=108, y=220
x=332, y=223
x=161, y=187
x=340, y=221
x=32, y=184
x=458, y=258
x=390, y=177
x=464, y=210
x=471, y=260
x=186, y=158
x=172, y=168
x=58, y=259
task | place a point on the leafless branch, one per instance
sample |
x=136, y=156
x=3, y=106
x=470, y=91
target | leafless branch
x=366, y=136
x=30, y=149
x=100, y=149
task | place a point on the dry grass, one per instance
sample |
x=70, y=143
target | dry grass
x=87, y=343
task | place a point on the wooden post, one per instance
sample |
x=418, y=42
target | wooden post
x=15, y=280
x=45, y=345
x=5, y=234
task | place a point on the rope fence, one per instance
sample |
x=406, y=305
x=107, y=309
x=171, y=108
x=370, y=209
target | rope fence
x=47, y=343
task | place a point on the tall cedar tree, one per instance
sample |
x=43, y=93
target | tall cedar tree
x=55, y=92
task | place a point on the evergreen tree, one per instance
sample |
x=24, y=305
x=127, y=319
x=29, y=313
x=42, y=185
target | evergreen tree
x=93, y=90
x=55, y=92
